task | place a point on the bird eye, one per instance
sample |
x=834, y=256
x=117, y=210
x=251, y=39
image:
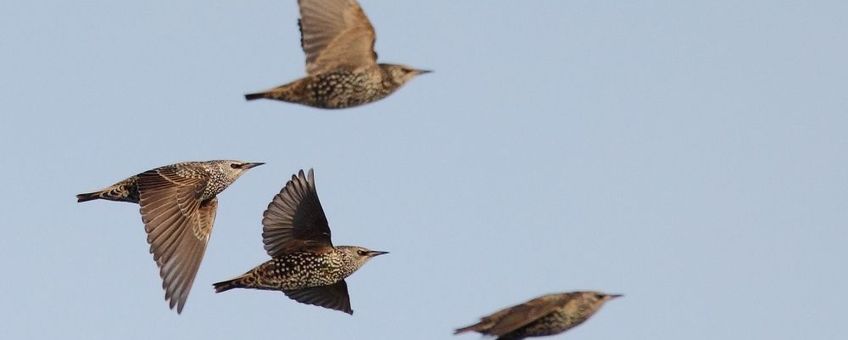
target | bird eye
x=361, y=252
x=599, y=296
x=235, y=165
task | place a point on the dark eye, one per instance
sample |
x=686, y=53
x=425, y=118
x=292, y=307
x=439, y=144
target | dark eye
x=361, y=252
x=236, y=165
x=599, y=296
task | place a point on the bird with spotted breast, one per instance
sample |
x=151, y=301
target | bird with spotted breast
x=178, y=204
x=546, y=315
x=341, y=65
x=305, y=265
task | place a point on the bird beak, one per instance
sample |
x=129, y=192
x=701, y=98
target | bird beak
x=613, y=296
x=420, y=72
x=252, y=165
x=376, y=253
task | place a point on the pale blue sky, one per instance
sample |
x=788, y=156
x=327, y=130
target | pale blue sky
x=691, y=155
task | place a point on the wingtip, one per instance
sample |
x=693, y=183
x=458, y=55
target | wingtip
x=179, y=306
x=297, y=176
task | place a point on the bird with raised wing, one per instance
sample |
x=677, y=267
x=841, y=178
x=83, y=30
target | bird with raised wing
x=178, y=204
x=546, y=315
x=305, y=265
x=341, y=65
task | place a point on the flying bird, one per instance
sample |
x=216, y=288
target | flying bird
x=546, y=315
x=341, y=65
x=178, y=204
x=305, y=265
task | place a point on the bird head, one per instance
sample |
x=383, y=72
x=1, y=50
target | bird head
x=234, y=169
x=597, y=299
x=400, y=74
x=360, y=255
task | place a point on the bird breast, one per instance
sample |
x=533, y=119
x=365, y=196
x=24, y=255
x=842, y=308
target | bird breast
x=304, y=269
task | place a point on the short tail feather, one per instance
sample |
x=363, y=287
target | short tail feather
x=464, y=329
x=254, y=96
x=224, y=286
x=89, y=196
x=483, y=327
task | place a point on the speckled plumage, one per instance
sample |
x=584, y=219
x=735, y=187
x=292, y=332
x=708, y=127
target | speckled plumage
x=304, y=265
x=178, y=205
x=546, y=315
x=341, y=65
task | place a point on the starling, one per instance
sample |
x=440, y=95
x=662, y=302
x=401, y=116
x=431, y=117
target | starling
x=341, y=64
x=546, y=315
x=305, y=265
x=178, y=204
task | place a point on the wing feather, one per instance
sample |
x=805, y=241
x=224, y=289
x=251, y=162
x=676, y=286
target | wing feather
x=178, y=225
x=512, y=318
x=294, y=220
x=335, y=33
x=334, y=296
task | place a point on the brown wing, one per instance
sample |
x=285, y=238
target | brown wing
x=178, y=225
x=512, y=318
x=335, y=33
x=334, y=296
x=295, y=220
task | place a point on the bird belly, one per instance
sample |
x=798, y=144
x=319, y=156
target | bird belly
x=344, y=89
x=296, y=271
x=553, y=323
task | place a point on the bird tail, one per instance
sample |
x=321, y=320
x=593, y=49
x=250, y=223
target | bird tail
x=477, y=327
x=254, y=96
x=464, y=329
x=113, y=193
x=89, y=196
x=224, y=286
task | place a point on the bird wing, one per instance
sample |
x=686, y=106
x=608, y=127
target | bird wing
x=178, y=225
x=334, y=296
x=512, y=318
x=295, y=220
x=519, y=316
x=335, y=33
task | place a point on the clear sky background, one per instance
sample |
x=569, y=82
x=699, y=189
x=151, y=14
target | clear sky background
x=690, y=155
